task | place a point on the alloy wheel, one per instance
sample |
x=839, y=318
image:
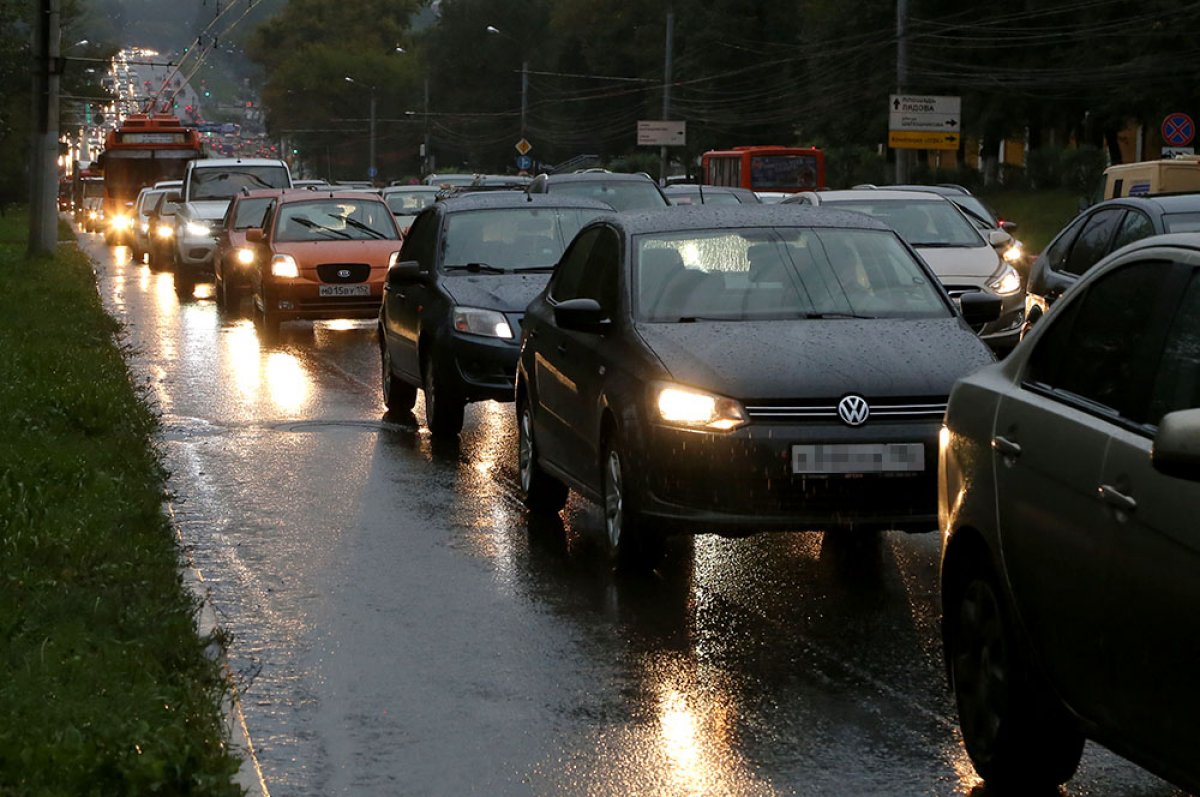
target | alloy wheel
x=614, y=502
x=981, y=667
x=525, y=450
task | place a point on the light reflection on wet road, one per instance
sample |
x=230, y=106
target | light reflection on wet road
x=401, y=626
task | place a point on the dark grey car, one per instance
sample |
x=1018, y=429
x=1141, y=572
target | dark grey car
x=1069, y=490
x=740, y=369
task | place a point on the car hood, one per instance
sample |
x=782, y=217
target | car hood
x=310, y=254
x=509, y=293
x=969, y=264
x=818, y=358
x=208, y=209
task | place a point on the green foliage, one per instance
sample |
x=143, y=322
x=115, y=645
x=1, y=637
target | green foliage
x=1039, y=214
x=1077, y=169
x=104, y=685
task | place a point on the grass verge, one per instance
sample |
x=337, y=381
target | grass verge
x=1039, y=214
x=105, y=687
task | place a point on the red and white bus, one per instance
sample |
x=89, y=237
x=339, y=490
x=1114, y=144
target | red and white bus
x=768, y=168
x=146, y=148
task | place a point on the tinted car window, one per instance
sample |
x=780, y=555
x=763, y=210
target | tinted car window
x=513, y=238
x=568, y=277
x=224, y=183
x=618, y=195
x=600, y=275
x=1135, y=226
x=420, y=244
x=1096, y=347
x=1056, y=253
x=1177, y=384
x=1182, y=222
x=1093, y=242
x=251, y=213
x=752, y=274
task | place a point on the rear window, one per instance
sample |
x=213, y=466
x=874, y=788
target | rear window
x=921, y=223
x=623, y=195
x=511, y=238
x=410, y=203
x=1182, y=222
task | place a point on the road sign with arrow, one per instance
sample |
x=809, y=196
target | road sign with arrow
x=924, y=121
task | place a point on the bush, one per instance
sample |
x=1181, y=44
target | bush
x=1076, y=169
x=847, y=166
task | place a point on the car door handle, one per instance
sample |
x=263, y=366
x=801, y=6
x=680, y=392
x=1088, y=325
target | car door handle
x=1005, y=447
x=1111, y=496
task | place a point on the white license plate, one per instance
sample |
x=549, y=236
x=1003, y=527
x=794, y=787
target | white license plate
x=344, y=290
x=846, y=458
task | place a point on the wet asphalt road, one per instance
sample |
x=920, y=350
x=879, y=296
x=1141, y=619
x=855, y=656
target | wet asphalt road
x=401, y=626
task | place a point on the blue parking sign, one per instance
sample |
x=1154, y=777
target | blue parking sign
x=524, y=162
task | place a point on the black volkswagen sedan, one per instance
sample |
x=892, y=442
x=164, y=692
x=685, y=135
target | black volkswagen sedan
x=456, y=292
x=733, y=370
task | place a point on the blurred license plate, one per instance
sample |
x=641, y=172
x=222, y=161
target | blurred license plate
x=859, y=458
x=344, y=290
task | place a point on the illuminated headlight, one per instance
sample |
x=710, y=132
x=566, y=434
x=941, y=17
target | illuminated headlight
x=197, y=230
x=1014, y=253
x=1006, y=283
x=284, y=266
x=145, y=227
x=244, y=256
x=164, y=231
x=694, y=409
x=93, y=214
x=120, y=222
x=474, y=321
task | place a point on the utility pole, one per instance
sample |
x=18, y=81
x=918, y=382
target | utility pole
x=43, y=164
x=524, y=94
x=426, y=158
x=901, y=79
x=666, y=108
x=372, y=171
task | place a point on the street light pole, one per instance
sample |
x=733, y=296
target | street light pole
x=426, y=157
x=666, y=108
x=43, y=171
x=372, y=172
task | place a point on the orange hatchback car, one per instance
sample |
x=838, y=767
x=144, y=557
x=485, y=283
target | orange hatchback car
x=321, y=254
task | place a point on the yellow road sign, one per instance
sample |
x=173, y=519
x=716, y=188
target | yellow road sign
x=921, y=139
x=523, y=146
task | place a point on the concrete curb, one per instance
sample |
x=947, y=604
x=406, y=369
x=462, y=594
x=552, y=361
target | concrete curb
x=250, y=775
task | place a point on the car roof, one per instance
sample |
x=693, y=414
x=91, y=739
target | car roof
x=597, y=176
x=309, y=195
x=1167, y=203
x=1181, y=240
x=705, y=217
x=876, y=194
x=517, y=199
x=219, y=162
x=408, y=189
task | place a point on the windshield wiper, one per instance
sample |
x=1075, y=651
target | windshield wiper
x=312, y=225
x=536, y=269
x=477, y=268
x=938, y=245
x=823, y=316
x=358, y=225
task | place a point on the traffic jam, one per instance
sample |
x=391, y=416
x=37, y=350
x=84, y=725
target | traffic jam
x=586, y=482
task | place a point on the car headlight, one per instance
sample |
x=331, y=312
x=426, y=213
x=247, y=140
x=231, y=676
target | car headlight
x=284, y=266
x=244, y=255
x=93, y=214
x=695, y=409
x=197, y=229
x=1014, y=253
x=1006, y=283
x=145, y=227
x=475, y=321
x=164, y=231
x=120, y=222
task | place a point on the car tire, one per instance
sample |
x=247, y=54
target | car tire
x=632, y=544
x=398, y=396
x=541, y=492
x=229, y=297
x=1018, y=736
x=444, y=406
x=185, y=285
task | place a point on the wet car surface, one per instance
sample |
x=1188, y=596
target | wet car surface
x=399, y=624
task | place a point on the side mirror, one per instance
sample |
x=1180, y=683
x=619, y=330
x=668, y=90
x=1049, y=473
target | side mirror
x=581, y=315
x=979, y=307
x=1176, y=449
x=255, y=235
x=1009, y=226
x=999, y=238
x=405, y=272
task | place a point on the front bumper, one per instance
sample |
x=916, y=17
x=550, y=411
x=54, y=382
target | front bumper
x=742, y=482
x=300, y=299
x=486, y=367
x=193, y=252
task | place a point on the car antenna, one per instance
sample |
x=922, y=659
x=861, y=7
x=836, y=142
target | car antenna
x=700, y=185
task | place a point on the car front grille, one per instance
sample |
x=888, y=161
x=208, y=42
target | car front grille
x=887, y=409
x=353, y=272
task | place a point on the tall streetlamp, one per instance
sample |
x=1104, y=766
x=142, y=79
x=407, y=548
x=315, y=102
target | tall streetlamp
x=524, y=73
x=371, y=170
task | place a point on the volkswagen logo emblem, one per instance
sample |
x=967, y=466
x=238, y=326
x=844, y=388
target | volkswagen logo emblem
x=854, y=410
x=344, y=273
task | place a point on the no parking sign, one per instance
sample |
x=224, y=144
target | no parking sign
x=1178, y=130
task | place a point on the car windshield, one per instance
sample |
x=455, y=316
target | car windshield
x=252, y=212
x=793, y=272
x=618, y=195
x=225, y=182
x=335, y=220
x=409, y=203
x=1182, y=222
x=920, y=222
x=511, y=238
